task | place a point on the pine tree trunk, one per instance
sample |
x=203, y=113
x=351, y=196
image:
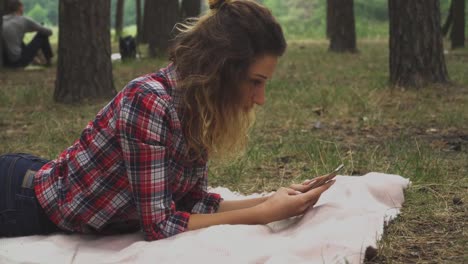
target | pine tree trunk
x=342, y=30
x=448, y=21
x=416, y=51
x=457, y=35
x=138, y=21
x=329, y=18
x=2, y=10
x=160, y=18
x=190, y=8
x=147, y=19
x=148, y=22
x=119, y=18
x=84, y=69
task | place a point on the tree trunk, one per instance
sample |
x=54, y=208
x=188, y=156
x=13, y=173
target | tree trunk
x=329, y=16
x=342, y=30
x=416, y=51
x=448, y=21
x=190, y=8
x=2, y=10
x=84, y=69
x=457, y=34
x=138, y=21
x=146, y=19
x=119, y=18
x=160, y=18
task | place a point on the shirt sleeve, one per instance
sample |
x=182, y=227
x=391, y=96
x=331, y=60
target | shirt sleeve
x=143, y=128
x=199, y=200
x=33, y=26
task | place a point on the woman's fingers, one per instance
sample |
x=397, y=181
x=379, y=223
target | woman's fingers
x=289, y=191
x=312, y=194
x=312, y=183
x=321, y=180
x=316, y=179
x=306, y=182
x=327, y=185
x=300, y=187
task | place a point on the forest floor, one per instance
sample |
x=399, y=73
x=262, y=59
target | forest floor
x=322, y=109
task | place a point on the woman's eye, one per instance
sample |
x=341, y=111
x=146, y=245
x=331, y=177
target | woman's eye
x=256, y=82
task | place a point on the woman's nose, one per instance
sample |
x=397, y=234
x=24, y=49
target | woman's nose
x=259, y=96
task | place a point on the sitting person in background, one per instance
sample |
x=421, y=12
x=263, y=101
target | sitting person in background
x=15, y=25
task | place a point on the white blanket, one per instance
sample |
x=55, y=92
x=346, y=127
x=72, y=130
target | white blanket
x=347, y=219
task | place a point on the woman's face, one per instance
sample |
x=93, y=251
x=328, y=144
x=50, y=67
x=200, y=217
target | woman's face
x=259, y=72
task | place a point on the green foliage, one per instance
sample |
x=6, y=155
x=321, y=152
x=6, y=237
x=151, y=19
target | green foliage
x=301, y=19
x=43, y=11
x=371, y=10
x=129, y=12
x=298, y=18
x=39, y=14
x=307, y=19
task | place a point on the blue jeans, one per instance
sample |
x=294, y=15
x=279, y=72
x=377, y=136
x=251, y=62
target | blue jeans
x=20, y=212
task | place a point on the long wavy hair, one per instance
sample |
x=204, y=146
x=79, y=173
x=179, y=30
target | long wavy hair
x=212, y=55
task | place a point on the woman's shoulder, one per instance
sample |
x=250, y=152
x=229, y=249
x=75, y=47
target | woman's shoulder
x=147, y=84
x=147, y=87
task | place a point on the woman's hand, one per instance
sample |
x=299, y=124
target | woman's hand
x=285, y=203
x=307, y=184
x=289, y=202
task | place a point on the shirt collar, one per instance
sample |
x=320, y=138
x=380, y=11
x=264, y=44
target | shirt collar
x=170, y=75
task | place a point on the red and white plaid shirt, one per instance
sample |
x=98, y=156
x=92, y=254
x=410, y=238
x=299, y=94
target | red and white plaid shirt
x=129, y=169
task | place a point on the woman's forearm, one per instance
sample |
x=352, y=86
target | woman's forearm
x=246, y=216
x=235, y=212
x=225, y=206
x=285, y=203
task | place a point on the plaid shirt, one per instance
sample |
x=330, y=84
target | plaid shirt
x=129, y=169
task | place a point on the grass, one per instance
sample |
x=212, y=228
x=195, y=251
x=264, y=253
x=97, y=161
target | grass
x=322, y=109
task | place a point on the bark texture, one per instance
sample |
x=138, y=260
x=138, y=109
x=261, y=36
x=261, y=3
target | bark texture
x=329, y=18
x=119, y=14
x=416, y=51
x=341, y=26
x=138, y=21
x=448, y=21
x=457, y=34
x=2, y=10
x=160, y=18
x=455, y=23
x=84, y=69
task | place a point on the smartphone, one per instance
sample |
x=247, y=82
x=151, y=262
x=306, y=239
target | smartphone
x=323, y=180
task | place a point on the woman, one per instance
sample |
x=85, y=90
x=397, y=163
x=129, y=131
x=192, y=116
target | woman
x=142, y=163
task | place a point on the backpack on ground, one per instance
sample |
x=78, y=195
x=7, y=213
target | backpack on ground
x=127, y=48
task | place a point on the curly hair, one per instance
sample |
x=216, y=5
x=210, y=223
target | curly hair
x=212, y=55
